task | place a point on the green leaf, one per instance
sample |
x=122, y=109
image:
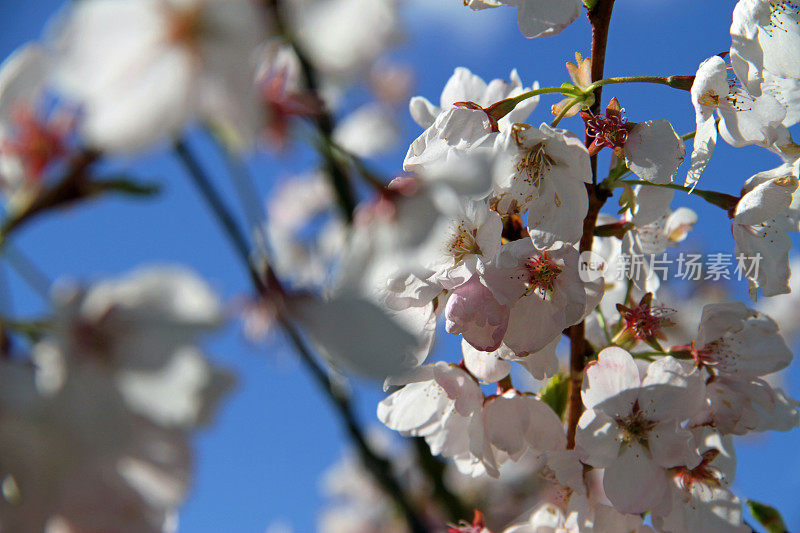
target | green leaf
x=555, y=393
x=767, y=516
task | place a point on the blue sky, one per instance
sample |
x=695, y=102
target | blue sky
x=262, y=459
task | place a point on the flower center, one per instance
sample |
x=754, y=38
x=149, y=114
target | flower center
x=533, y=164
x=645, y=322
x=709, y=98
x=636, y=427
x=542, y=273
x=608, y=130
x=463, y=242
x=37, y=143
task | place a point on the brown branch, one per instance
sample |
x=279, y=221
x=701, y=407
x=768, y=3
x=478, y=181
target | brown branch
x=72, y=187
x=600, y=18
x=266, y=283
x=323, y=121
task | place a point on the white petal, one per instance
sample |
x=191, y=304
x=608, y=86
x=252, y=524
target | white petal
x=765, y=201
x=546, y=431
x=506, y=419
x=612, y=383
x=544, y=18
x=486, y=366
x=423, y=111
x=463, y=86
x=670, y=391
x=672, y=445
x=413, y=407
x=183, y=394
x=767, y=35
x=357, y=334
x=654, y=151
x=598, y=438
x=765, y=252
x=705, y=140
x=460, y=387
x=634, y=482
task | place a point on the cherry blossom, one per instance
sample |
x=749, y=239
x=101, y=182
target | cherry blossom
x=744, y=118
x=739, y=346
x=764, y=34
x=631, y=426
x=529, y=244
x=460, y=123
x=543, y=171
x=143, y=330
x=188, y=60
x=701, y=497
x=31, y=142
x=641, y=245
x=761, y=220
x=540, y=283
x=338, y=47
x=444, y=404
x=78, y=447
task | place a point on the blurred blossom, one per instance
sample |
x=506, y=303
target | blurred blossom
x=141, y=69
x=32, y=140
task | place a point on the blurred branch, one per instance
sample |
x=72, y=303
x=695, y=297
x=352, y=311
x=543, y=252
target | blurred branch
x=28, y=271
x=32, y=329
x=76, y=185
x=379, y=467
x=324, y=120
x=250, y=199
x=221, y=212
x=69, y=189
x=434, y=470
x=372, y=177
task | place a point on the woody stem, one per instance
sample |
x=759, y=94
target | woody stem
x=600, y=18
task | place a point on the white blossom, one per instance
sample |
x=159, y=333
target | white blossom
x=142, y=330
x=701, y=499
x=631, y=426
x=32, y=142
x=142, y=68
x=459, y=124
x=763, y=217
x=541, y=285
x=543, y=171
x=744, y=118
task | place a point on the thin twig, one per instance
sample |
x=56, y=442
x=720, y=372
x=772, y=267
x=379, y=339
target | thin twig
x=249, y=198
x=214, y=200
x=28, y=271
x=378, y=466
x=323, y=120
x=434, y=468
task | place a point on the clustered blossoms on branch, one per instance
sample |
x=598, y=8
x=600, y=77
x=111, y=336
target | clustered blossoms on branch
x=494, y=228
